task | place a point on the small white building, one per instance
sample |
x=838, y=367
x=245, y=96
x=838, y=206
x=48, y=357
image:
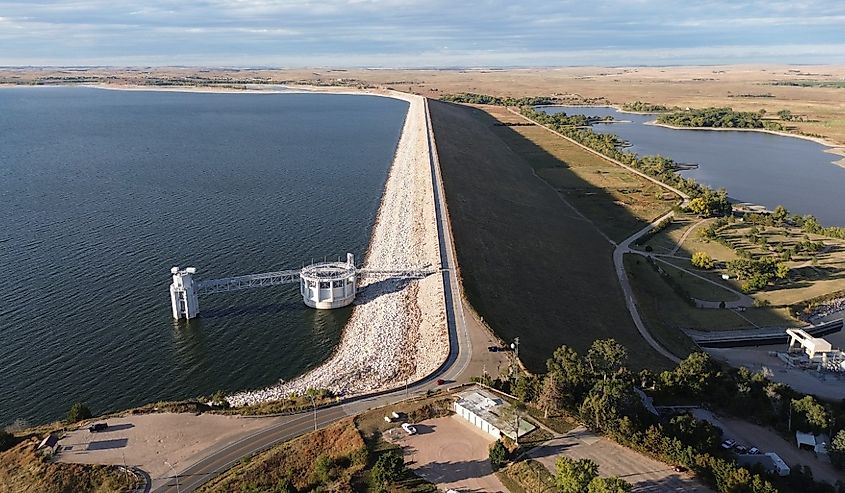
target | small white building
x=489, y=413
x=816, y=443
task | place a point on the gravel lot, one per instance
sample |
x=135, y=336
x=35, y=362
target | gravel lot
x=452, y=454
x=147, y=440
x=646, y=474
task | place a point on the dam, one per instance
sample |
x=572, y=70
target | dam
x=323, y=285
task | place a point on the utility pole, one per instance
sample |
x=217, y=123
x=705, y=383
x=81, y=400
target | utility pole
x=515, y=347
x=176, y=473
x=314, y=404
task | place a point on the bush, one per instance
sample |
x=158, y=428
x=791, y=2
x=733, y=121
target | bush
x=324, y=469
x=702, y=261
x=7, y=440
x=389, y=468
x=78, y=412
x=498, y=455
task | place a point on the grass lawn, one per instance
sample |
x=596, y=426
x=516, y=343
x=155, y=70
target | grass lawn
x=529, y=265
x=696, y=287
x=627, y=201
x=666, y=313
x=527, y=476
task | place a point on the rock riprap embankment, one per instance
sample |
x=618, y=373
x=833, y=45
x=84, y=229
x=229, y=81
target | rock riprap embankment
x=397, y=332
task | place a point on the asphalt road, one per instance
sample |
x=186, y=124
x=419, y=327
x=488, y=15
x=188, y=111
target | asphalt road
x=456, y=368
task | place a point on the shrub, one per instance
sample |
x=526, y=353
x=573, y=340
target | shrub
x=78, y=412
x=388, y=469
x=7, y=440
x=702, y=260
x=498, y=455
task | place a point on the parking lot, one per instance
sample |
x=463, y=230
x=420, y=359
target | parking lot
x=452, y=454
x=645, y=474
x=767, y=440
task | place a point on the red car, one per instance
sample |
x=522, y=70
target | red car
x=440, y=381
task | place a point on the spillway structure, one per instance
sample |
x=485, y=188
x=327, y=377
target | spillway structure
x=323, y=285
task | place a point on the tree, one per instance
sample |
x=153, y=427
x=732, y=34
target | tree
x=609, y=485
x=574, y=476
x=700, y=435
x=571, y=373
x=7, y=440
x=780, y=214
x=606, y=356
x=551, y=398
x=524, y=387
x=498, y=455
x=388, y=468
x=78, y=412
x=693, y=376
x=809, y=415
x=607, y=402
x=702, y=261
x=836, y=449
x=324, y=469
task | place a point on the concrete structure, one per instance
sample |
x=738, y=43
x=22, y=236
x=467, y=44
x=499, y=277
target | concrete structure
x=183, y=293
x=329, y=285
x=490, y=413
x=324, y=285
x=770, y=461
x=818, y=351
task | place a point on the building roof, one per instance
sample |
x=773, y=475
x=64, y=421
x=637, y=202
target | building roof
x=770, y=461
x=49, y=441
x=494, y=410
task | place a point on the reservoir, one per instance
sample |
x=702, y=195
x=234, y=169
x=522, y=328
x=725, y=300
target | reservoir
x=754, y=167
x=103, y=191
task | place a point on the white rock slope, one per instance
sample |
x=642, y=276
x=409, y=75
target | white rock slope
x=397, y=331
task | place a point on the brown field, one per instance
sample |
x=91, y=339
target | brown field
x=743, y=87
x=530, y=264
x=22, y=471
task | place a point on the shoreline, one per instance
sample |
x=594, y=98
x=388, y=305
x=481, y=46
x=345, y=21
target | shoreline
x=833, y=148
x=397, y=331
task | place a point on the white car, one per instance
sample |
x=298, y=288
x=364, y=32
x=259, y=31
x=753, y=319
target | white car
x=409, y=429
x=728, y=444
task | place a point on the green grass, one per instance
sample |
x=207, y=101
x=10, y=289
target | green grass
x=527, y=476
x=696, y=287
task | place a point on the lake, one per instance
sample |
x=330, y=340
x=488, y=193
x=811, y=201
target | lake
x=103, y=191
x=754, y=167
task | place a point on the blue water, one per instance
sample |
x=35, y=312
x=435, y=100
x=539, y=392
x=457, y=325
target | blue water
x=755, y=167
x=101, y=192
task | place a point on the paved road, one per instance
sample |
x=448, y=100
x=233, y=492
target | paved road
x=624, y=246
x=459, y=366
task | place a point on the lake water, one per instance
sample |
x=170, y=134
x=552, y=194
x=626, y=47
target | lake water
x=101, y=192
x=755, y=167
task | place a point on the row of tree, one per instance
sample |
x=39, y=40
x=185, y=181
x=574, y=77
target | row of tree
x=717, y=118
x=643, y=107
x=600, y=390
x=473, y=98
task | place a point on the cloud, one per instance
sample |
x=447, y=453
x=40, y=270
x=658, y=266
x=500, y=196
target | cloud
x=415, y=32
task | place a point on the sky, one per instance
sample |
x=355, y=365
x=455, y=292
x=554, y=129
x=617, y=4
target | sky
x=420, y=33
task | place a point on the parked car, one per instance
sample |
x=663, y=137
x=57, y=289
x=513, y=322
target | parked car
x=741, y=449
x=754, y=451
x=679, y=469
x=493, y=349
x=728, y=444
x=409, y=429
x=96, y=427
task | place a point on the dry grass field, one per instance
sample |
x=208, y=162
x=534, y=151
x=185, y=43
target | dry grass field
x=530, y=264
x=21, y=470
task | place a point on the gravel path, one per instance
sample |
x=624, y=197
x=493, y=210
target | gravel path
x=397, y=330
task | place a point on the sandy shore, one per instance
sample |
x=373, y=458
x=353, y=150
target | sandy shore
x=397, y=331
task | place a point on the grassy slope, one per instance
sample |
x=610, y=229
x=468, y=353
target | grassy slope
x=22, y=471
x=530, y=266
